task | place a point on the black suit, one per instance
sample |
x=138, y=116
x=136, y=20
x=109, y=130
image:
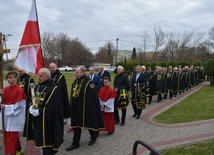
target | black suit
x=102, y=75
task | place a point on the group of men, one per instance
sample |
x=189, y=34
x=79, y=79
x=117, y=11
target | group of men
x=92, y=101
x=42, y=108
x=169, y=82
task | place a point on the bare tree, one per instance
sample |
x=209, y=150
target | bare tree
x=49, y=47
x=159, y=40
x=210, y=41
x=146, y=41
x=106, y=53
x=171, y=45
x=65, y=51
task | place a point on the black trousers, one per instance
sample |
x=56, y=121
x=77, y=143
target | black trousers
x=159, y=96
x=77, y=135
x=117, y=117
x=134, y=105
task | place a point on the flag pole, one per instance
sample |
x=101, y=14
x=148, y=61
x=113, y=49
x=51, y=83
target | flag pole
x=38, y=29
x=37, y=19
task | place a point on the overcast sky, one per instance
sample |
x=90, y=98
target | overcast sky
x=95, y=22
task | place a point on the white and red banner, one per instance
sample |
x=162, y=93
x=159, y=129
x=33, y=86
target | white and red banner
x=29, y=56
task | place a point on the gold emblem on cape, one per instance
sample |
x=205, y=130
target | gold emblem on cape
x=21, y=84
x=39, y=99
x=92, y=86
x=76, y=90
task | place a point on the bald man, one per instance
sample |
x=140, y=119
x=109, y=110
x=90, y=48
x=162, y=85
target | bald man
x=47, y=114
x=59, y=79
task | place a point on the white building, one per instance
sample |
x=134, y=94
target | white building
x=122, y=55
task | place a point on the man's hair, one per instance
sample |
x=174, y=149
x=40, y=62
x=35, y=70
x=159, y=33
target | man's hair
x=82, y=69
x=107, y=78
x=92, y=68
x=120, y=67
x=14, y=73
x=46, y=71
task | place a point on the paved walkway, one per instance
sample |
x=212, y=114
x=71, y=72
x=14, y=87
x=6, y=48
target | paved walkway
x=160, y=136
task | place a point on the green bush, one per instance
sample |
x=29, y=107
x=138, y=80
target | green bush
x=209, y=69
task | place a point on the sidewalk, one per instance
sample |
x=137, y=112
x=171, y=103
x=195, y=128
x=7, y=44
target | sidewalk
x=160, y=136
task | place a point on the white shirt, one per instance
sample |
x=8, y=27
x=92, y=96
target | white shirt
x=14, y=116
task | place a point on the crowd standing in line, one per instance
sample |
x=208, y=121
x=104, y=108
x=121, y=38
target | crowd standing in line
x=94, y=105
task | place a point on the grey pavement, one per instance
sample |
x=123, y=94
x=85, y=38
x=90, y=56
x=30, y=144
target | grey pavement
x=160, y=136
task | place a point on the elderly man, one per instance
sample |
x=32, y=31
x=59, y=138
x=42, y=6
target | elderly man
x=85, y=109
x=47, y=114
x=138, y=85
x=59, y=79
x=121, y=86
x=95, y=78
x=103, y=73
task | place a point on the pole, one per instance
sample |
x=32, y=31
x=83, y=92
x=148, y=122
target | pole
x=1, y=83
x=4, y=38
x=117, y=50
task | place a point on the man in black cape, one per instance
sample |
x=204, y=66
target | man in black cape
x=138, y=88
x=85, y=109
x=24, y=81
x=47, y=114
x=151, y=76
x=121, y=86
x=59, y=79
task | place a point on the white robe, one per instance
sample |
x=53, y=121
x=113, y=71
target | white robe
x=109, y=105
x=14, y=116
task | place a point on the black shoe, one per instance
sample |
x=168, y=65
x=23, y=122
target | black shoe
x=134, y=115
x=92, y=142
x=72, y=147
x=138, y=116
x=116, y=122
x=110, y=133
x=122, y=124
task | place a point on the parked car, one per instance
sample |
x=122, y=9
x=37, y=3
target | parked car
x=65, y=68
x=110, y=68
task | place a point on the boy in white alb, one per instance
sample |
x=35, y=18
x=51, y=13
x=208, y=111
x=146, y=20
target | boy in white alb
x=107, y=96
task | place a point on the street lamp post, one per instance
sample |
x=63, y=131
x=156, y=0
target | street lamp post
x=4, y=39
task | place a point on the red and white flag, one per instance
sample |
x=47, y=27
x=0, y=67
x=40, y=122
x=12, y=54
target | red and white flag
x=29, y=56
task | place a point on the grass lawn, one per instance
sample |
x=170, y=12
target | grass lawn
x=198, y=106
x=204, y=148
